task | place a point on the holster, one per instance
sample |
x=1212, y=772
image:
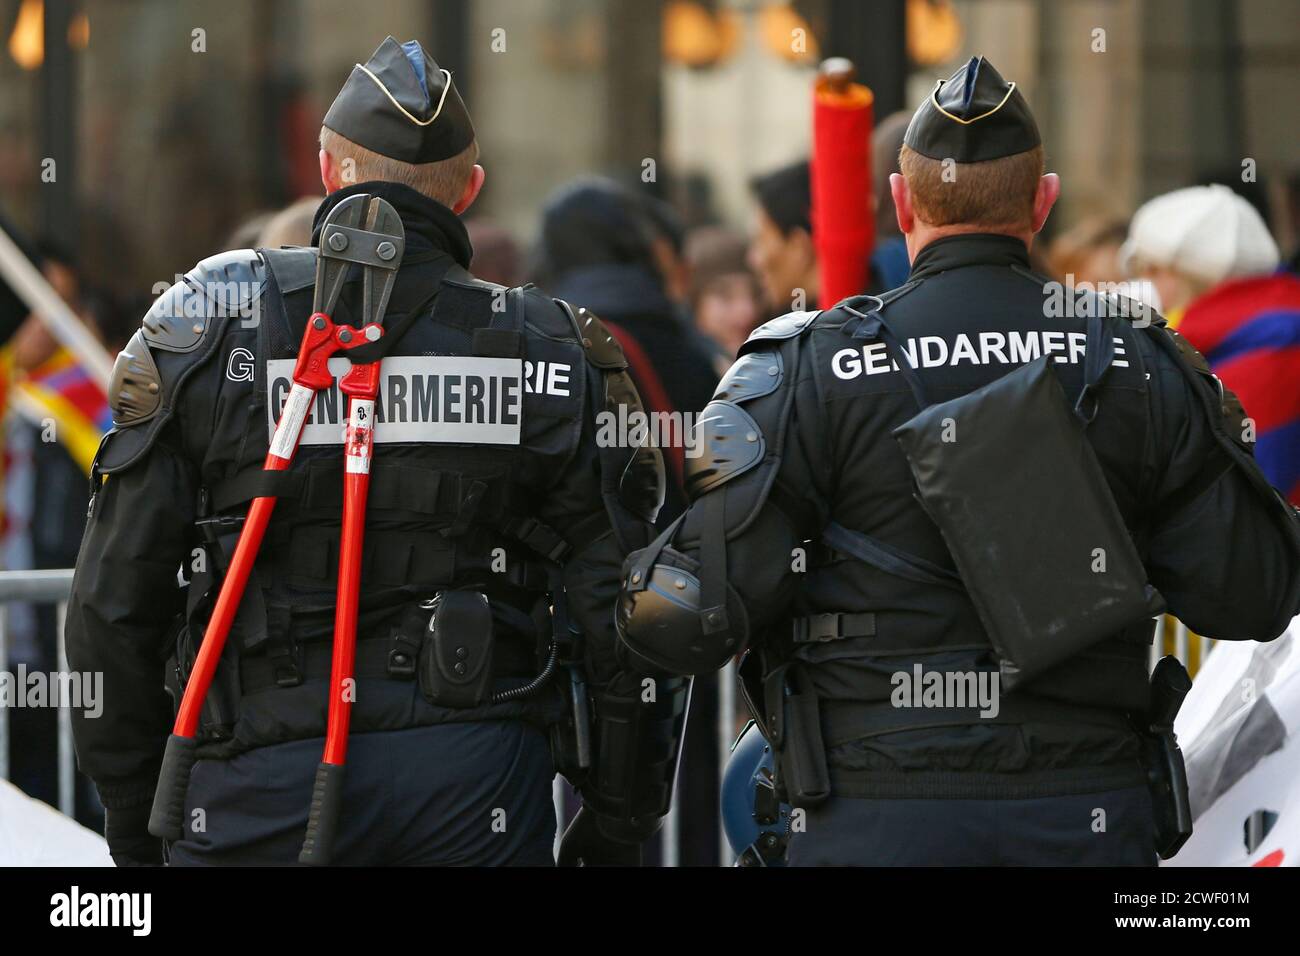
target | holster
x=795, y=732
x=1163, y=759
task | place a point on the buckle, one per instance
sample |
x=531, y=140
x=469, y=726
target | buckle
x=286, y=665
x=401, y=662
x=816, y=628
x=541, y=538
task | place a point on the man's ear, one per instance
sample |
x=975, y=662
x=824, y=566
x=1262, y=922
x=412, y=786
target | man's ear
x=472, y=188
x=329, y=173
x=902, y=203
x=1045, y=196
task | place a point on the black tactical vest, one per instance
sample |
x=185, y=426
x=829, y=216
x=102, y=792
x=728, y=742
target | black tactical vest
x=460, y=462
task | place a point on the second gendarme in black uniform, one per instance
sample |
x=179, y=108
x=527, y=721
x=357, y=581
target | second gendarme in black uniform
x=941, y=522
x=489, y=501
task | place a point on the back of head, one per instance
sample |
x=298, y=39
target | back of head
x=786, y=196
x=972, y=155
x=400, y=119
x=592, y=221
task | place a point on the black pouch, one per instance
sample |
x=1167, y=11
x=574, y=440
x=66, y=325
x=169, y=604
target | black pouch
x=795, y=733
x=456, y=655
x=1163, y=759
x=1010, y=478
x=808, y=779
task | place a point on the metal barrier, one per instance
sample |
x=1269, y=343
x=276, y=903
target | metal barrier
x=41, y=587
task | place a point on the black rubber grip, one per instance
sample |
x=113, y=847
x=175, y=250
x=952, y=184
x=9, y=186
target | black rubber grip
x=167, y=818
x=322, y=822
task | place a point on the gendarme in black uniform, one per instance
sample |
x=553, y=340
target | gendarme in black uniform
x=519, y=490
x=799, y=437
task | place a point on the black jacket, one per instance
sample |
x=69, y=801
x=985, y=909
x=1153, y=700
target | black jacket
x=1222, y=553
x=441, y=513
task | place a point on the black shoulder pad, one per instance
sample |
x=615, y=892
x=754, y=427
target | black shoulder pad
x=642, y=484
x=782, y=327
x=1222, y=407
x=294, y=267
x=752, y=376
x=599, y=344
x=135, y=389
x=119, y=449
x=730, y=444
x=1134, y=310
x=226, y=284
x=545, y=315
x=461, y=278
x=180, y=332
x=1186, y=350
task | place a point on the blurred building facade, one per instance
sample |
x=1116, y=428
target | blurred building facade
x=172, y=121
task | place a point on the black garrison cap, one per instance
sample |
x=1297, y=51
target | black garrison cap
x=973, y=116
x=403, y=105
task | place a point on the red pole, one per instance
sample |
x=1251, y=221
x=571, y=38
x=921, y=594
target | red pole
x=843, y=210
x=361, y=384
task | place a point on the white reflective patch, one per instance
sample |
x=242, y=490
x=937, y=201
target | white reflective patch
x=295, y=410
x=422, y=398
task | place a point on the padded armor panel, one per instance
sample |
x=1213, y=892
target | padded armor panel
x=752, y=376
x=782, y=327
x=226, y=284
x=603, y=350
x=732, y=444
x=135, y=389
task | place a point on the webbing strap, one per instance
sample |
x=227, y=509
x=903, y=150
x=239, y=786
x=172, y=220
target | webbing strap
x=831, y=626
x=393, y=332
x=847, y=720
x=888, y=558
x=713, y=558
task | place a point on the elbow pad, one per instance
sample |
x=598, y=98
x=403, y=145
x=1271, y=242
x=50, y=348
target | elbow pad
x=661, y=628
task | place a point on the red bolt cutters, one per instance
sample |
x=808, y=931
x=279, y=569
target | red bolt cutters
x=365, y=231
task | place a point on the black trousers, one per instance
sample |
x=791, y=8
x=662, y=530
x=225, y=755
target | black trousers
x=1109, y=828
x=476, y=794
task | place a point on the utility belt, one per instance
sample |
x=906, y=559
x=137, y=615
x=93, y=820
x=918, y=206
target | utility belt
x=376, y=658
x=801, y=726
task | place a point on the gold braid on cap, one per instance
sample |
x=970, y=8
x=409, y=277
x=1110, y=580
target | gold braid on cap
x=934, y=97
x=379, y=83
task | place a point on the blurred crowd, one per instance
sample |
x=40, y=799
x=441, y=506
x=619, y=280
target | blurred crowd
x=681, y=300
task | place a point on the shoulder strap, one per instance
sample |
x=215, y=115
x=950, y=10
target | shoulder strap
x=1099, y=353
x=888, y=558
x=394, y=332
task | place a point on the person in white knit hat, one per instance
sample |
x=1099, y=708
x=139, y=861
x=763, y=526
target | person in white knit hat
x=1187, y=241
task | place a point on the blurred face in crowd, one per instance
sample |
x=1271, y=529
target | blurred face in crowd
x=728, y=309
x=1176, y=290
x=784, y=262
